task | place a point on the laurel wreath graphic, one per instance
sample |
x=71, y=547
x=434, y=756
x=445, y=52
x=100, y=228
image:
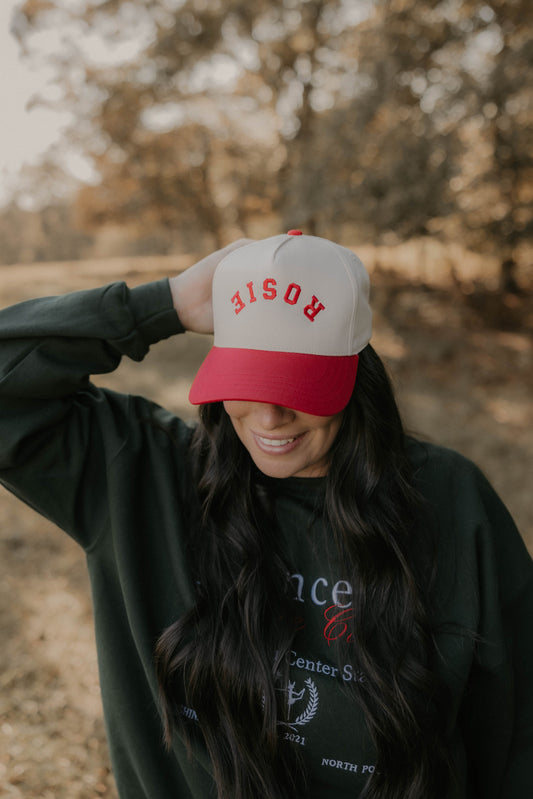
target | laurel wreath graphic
x=311, y=708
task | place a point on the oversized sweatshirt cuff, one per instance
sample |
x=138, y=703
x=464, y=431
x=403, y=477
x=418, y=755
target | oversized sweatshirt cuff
x=153, y=311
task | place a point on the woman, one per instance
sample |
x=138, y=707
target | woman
x=317, y=605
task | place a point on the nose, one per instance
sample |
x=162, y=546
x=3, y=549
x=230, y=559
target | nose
x=271, y=416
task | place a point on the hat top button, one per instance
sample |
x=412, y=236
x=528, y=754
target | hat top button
x=294, y=233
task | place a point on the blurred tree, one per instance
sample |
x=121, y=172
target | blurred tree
x=396, y=118
x=213, y=112
x=389, y=156
x=449, y=117
x=191, y=123
x=495, y=185
x=48, y=234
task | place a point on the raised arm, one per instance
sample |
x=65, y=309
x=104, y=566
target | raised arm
x=58, y=432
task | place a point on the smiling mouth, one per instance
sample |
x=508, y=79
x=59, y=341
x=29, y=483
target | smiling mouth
x=277, y=446
x=275, y=442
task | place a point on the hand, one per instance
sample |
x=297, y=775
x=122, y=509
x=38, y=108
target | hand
x=192, y=290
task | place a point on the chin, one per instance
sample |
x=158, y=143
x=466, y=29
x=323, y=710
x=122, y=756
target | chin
x=276, y=470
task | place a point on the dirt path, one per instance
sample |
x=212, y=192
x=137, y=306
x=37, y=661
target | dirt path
x=459, y=383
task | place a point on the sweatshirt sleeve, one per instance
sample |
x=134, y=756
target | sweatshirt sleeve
x=483, y=605
x=57, y=430
x=518, y=781
x=498, y=701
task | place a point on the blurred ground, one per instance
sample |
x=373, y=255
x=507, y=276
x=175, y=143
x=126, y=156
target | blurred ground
x=463, y=370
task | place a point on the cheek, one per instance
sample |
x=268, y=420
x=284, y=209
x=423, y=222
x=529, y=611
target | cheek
x=336, y=425
x=230, y=407
x=236, y=409
x=237, y=415
x=330, y=428
x=330, y=433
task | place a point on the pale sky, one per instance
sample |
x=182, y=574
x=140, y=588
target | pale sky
x=24, y=134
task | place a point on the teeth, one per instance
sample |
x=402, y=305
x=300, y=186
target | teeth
x=270, y=442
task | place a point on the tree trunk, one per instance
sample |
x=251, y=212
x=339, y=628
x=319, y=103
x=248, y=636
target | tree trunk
x=508, y=281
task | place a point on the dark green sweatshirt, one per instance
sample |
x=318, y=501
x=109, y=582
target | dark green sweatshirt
x=110, y=470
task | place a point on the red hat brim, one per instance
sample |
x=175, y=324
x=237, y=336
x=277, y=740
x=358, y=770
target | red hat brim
x=317, y=384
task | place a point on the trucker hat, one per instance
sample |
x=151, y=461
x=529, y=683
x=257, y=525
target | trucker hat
x=291, y=314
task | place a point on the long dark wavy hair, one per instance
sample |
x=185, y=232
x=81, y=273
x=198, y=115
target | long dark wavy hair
x=227, y=656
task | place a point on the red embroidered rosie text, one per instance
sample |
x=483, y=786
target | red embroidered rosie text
x=269, y=291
